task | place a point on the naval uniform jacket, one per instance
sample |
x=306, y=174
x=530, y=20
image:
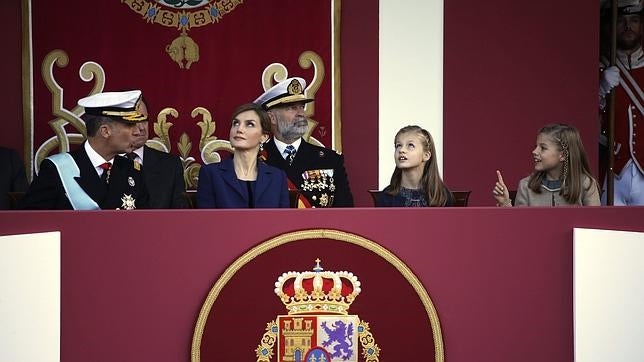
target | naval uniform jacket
x=219, y=187
x=312, y=158
x=163, y=175
x=47, y=193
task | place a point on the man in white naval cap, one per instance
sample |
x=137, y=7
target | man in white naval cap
x=628, y=79
x=94, y=177
x=317, y=172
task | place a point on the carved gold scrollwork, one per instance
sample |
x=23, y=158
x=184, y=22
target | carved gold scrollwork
x=88, y=71
x=274, y=72
x=207, y=126
x=190, y=169
x=209, y=145
x=161, y=129
x=306, y=60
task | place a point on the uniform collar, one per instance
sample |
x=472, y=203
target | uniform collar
x=633, y=60
x=281, y=146
x=96, y=159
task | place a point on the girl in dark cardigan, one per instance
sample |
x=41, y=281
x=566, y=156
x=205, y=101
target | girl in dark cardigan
x=416, y=181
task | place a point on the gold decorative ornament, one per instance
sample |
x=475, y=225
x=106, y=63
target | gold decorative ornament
x=182, y=15
x=183, y=50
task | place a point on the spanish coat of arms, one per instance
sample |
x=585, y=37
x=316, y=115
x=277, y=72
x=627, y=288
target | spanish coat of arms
x=318, y=327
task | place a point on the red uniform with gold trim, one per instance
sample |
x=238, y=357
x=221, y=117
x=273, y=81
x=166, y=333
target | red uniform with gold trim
x=629, y=112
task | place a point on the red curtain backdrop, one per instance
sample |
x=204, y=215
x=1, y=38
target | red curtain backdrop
x=133, y=50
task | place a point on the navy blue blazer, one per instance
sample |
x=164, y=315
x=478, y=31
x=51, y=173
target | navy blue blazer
x=219, y=187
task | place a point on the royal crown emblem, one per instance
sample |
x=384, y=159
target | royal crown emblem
x=318, y=327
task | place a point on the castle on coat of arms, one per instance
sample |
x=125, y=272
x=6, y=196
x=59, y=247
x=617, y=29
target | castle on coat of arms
x=297, y=337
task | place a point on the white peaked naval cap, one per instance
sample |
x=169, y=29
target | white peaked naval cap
x=125, y=106
x=290, y=90
x=629, y=6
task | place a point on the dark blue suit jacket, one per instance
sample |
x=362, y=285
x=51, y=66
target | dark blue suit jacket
x=163, y=175
x=219, y=187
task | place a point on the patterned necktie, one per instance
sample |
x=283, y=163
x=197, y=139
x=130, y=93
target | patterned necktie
x=290, y=153
x=105, y=176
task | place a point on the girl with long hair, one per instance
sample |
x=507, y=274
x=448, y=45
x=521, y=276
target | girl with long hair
x=561, y=173
x=416, y=181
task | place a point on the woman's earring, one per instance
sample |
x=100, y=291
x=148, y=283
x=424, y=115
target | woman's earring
x=263, y=155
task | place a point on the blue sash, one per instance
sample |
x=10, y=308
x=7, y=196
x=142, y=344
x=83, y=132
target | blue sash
x=67, y=170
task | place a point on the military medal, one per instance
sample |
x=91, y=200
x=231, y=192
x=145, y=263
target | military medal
x=129, y=203
x=319, y=180
x=130, y=181
x=324, y=200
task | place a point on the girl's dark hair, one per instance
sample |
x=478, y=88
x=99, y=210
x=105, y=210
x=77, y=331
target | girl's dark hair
x=575, y=165
x=431, y=184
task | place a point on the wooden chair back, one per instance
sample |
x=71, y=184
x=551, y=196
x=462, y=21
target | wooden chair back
x=293, y=197
x=461, y=198
x=513, y=195
x=374, y=195
x=14, y=199
x=191, y=198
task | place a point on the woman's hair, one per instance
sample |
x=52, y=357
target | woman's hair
x=431, y=184
x=264, y=119
x=575, y=164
